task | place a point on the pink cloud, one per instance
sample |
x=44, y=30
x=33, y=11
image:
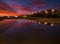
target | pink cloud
x=37, y=4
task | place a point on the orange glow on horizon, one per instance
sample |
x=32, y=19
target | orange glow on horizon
x=7, y=13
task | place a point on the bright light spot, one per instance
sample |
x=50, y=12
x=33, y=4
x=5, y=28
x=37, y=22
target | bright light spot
x=52, y=24
x=45, y=22
x=39, y=22
x=46, y=11
x=53, y=10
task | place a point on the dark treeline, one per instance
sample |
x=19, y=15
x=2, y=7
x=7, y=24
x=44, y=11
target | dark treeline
x=46, y=14
x=52, y=13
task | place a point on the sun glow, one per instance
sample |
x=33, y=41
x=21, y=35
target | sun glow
x=7, y=13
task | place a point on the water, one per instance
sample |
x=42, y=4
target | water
x=24, y=31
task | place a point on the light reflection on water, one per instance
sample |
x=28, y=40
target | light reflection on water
x=23, y=30
x=45, y=23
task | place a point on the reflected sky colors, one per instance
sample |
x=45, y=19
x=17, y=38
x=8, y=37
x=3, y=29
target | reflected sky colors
x=26, y=31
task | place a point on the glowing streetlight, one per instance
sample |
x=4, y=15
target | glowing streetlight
x=52, y=10
x=46, y=11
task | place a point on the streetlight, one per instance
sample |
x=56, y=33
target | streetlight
x=46, y=11
x=52, y=10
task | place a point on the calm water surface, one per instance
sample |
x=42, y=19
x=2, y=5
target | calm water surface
x=23, y=31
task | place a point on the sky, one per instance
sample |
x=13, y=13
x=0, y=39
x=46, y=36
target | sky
x=23, y=7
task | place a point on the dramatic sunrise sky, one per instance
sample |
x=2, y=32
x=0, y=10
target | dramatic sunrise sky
x=20, y=7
